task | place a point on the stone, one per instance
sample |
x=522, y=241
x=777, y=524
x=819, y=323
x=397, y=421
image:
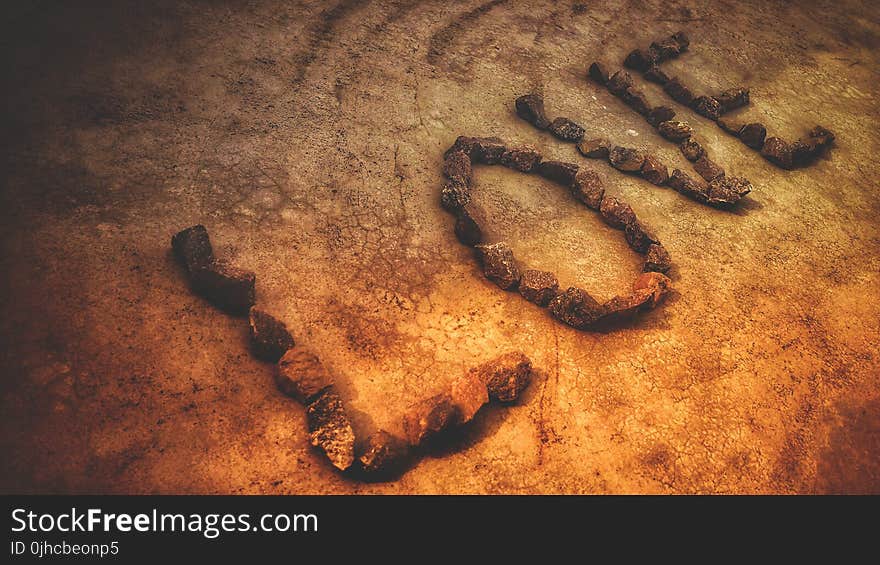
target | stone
x=558, y=171
x=566, y=130
x=626, y=159
x=682, y=39
x=467, y=229
x=454, y=195
x=707, y=107
x=681, y=182
x=384, y=454
x=487, y=150
x=576, y=308
x=635, y=99
x=821, y=135
x=192, y=248
x=506, y=376
x=499, y=265
x=639, y=237
x=730, y=125
x=624, y=307
x=654, y=171
x=666, y=49
x=330, y=429
x=675, y=131
x=656, y=75
x=656, y=284
x=599, y=73
x=678, y=91
x=691, y=149
x=523, y=159
x=640, y=59
x=587, y=188
x=301, y=375
x=270, y=338
x=802, y=153
x=457, y=168
x=539, y=287
x=429, y=418
x=778, y=152
x=469, y=394
x=657, y=259
x=753, y=135
x=229, y=288
x=595, y=148
x=728, y=190
x=619, y=82
x=660, y=114
x=616, y=214
x=531, y=108
x=708, y=169
x=733, y=98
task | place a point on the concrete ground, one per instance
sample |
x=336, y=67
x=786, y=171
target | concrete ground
x=308, y=138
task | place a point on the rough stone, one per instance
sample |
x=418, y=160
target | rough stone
x=599, y=73
x=635, y=99
x=457, y=167
x=587, y=188
x=656, y=75
x=469, y=394
x=708, y=169
x=733, y=98
x=566, y=130
x=539, y=287
x=499, y=265
x=640, y=59
x=666, y=49
x=656, y=284
x=192, y=248
x=301, y=375
x=728, y=190
x=619, y=82
x=660, y=114
x=626, y=159
x=330, y=429
x=616, y=214
x=681, y=182
x=595, y=148
x=691, y=149
x=487, y=150
x=778, y=152
x=753, y=135
x=558, y=171
x=454, y=196
x=229, y=288
x=576, y=308
x=707, y=106
x=730, y=125
x=531, y=108
x=384, y=454
x=675, y=131
x=639, y=237
x=654, y=171
x=270, y=338
x=467, y=227
x=506, y=376
x=523, y=159
x=427, y=419
x=682, y=40
x=678, y=91
x=657, y=259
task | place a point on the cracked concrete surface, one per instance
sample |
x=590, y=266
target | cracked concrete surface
x=308, y=138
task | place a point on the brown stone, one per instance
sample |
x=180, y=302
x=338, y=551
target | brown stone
x=499, y=265
x=619, y=82
x=539, y=287
x=708, y=169
x=821, y=135
x=639, y=237
x=192, y=248
x=626, y=306
x=301, y=375
x=682, y=39
x=531, y=108
x=486, y=150
x=626, y=159
x=666, y=49
x=656, y=284
x=730, y=125
x=753, y=135
x=707, y=106
x=269, y=336
x=733, y=98
x=558, y=171
x=566, y=130
x=457, y=167
x=467, y=227
x=427, y=419
x=657, y=259
x=654, y=171
x=660, y=114
x=778, y=152
x=616, y=214
x=678, y=91
x=229, y=288
x=506, y=376
x=595, y=148
x=675, y=131
x=469, y=394
x=576, y=308
x=454, y=195
x=640, y=59
x=523, y=159
x=599, y=73
x=681, y=182
x=635, y=99
x=728, y=190
x=691, y=149
x=587, y=188
x=383, y=454
x=330, y=429
x=656, y=75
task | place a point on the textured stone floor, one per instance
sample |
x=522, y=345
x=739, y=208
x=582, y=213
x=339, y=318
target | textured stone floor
x=308, y=138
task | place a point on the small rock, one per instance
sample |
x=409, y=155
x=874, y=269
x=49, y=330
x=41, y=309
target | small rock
x=531, y=108
x=707, y=106
x=619, y=82
x=269, y=336
x=454, y=196
x=733, y=98
x=678, y=91
x=682, y=39
x=384, y=454
x=640, y=59
x=429, y=418
x=467, y=228
x=681, y=182
x=469, y=394
x=691, y=149
x=666, y=49
x=778, y=152
x=576, y=308
x=675, y=131
x=821, y=135
x=656, y=284
x=499, y=265
x=558, y=171
x=595, y=148
x=486, y=150
x=566, y=130
x=457, y=168
x=659, y=115
x=539, y=287
x=229, y=288
x=523, y=159
x=301, y=375
x=728, y=190
x=708, y=169
x=656, y=75
x=587, y=188
x=330, y=429
x=639, y=237
x=753, y=135
x=636, y=100
x=730, y=125
x=654, y=171
x=616, y=214
x=626, y=159
x=599, y=73
x=657, y=259
x=192, y=247
x=506, y=376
